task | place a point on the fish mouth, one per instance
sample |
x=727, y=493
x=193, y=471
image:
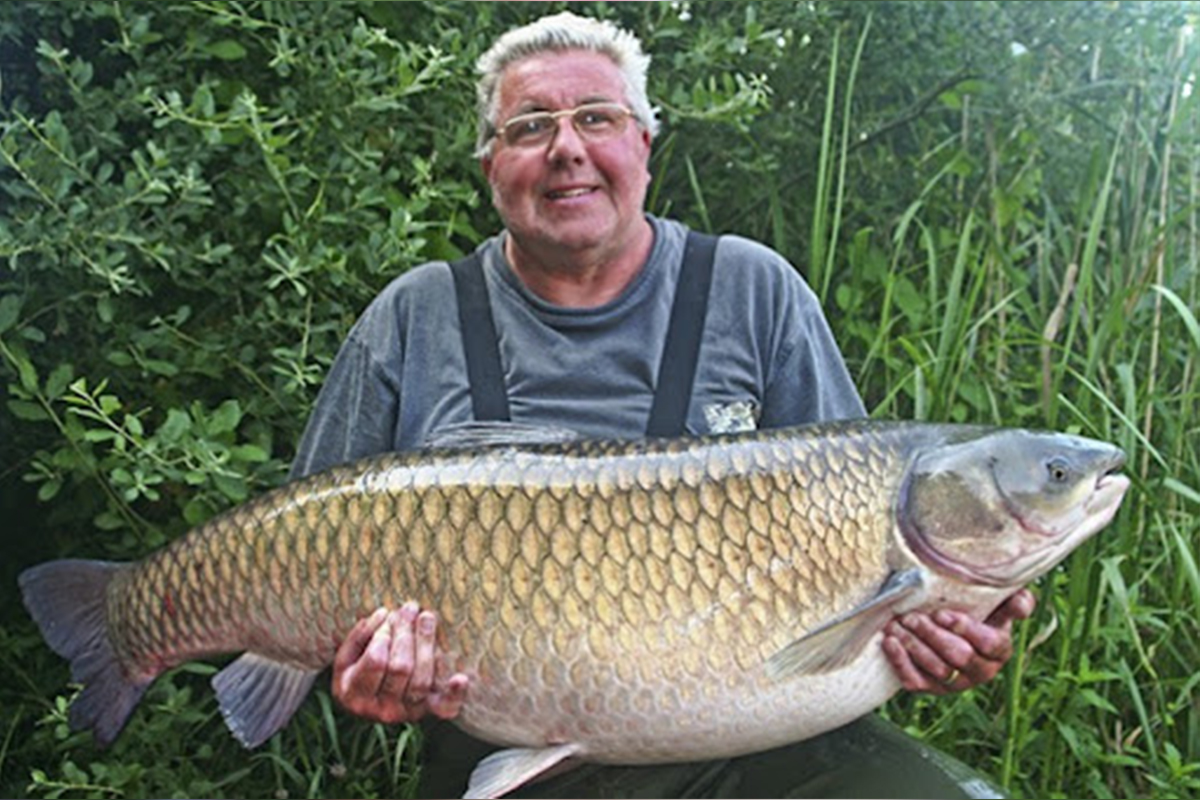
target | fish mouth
x=1106, y=497
x=1109, y=475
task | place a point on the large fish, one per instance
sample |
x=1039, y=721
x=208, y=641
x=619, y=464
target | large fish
x=616, y=602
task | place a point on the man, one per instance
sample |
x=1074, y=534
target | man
x=580, y=286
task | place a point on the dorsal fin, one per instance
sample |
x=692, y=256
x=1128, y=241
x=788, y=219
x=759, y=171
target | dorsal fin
x=466, y=435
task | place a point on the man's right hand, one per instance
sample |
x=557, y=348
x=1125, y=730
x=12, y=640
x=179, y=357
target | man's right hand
x=387, y=669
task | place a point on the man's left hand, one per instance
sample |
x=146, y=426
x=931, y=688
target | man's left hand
x=947, y=651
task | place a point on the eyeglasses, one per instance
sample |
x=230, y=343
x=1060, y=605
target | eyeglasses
x=592, y=121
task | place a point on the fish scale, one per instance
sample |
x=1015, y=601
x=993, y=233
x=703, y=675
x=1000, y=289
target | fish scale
x=624, y=602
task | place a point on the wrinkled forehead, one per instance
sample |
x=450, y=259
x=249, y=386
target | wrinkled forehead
x=557, y=79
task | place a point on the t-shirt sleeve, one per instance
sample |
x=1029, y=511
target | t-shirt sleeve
x=809, y=381
x=357, y=409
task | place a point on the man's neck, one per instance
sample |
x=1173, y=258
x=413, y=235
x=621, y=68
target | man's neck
x=580, y=279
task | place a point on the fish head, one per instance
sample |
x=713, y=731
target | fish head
x=1002, y=507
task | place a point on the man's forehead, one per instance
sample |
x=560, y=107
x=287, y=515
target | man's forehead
x=554, y=77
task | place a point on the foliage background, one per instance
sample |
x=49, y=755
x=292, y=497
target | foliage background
x=997, y=202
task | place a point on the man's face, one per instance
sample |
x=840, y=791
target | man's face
x=571, y=197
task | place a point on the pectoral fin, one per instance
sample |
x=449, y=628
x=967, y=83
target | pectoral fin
x=501, y=772
x=838, y=642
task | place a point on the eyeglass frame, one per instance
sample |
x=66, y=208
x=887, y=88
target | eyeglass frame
x=498, y=132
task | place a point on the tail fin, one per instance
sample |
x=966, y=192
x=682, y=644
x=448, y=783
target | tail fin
x=67, y=601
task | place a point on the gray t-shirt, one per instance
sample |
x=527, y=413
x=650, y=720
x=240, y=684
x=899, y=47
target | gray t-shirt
x=767, y=357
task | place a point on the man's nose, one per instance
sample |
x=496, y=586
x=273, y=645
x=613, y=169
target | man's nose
x=565, y=142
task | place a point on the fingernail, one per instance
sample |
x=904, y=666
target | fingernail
x=945, y=618
x=427, y=623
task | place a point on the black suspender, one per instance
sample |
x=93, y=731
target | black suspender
x=681, y=350
x=489, y=400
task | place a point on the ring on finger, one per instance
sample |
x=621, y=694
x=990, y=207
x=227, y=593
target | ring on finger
x=951, y=678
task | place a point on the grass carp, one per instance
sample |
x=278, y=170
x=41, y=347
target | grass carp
x=612, y=601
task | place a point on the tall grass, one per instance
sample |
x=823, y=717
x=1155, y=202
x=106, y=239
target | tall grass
x=1086, y=324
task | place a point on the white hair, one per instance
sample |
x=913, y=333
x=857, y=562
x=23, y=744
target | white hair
x=557, y=33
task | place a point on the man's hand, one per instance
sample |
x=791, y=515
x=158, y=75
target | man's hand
x=388, y=670
x=950, y=652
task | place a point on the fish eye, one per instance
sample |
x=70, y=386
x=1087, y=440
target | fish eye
x=1058, y=470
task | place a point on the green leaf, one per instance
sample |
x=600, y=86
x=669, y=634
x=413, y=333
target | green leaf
x=1182, y=489
x=27, y=411
x=107, y=521
x=10, y=311
x=25, y=369
x=1185, y=313
x=178, y=423
x=57, y=383
x=104, y=309
x=249, y=452
x=164, y=368
x=226, y=50
x=196, y=511
x=233, y=488
x=74, y=774
x=226, y=418
x=49, y=489
x=1093, y=698
x=32, y=334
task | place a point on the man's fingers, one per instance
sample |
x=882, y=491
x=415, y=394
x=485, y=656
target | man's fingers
x=420, y=684
x=913, y=677
x=399, y=663
x=364, y=677
x=352, y=647
x=388, y=667
x=949, y=651
x=361, y=659
x=1019, y=606
x=933, y=647
x=448, y=701
x=992, y=642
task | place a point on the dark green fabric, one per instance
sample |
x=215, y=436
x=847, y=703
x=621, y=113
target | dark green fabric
x=867, y=758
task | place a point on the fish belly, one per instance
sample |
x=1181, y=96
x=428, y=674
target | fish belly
x=667, y=720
